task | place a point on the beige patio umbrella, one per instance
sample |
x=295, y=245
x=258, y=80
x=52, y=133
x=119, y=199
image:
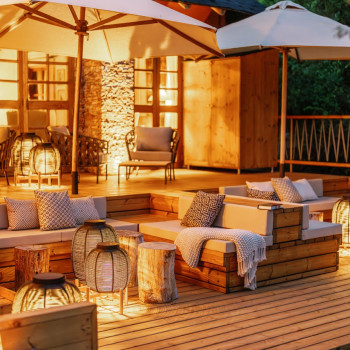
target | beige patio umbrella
x=294, y=31
x=105, y=30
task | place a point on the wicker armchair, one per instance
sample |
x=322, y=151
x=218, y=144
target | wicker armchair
x=92, y=151
x=5, y=153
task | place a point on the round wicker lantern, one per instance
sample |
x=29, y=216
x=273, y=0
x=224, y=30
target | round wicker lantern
x=341, y=215
x=107, y=268
x=85, y=239
x=21, y=150
x=46, y=290
x=44, y=158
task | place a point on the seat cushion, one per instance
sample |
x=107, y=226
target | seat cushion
x=151, y=155
x=321, y=229
x=322, y=203
x=170, y=229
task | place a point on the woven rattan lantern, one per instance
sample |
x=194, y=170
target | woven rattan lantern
x=46, y=290
x=107, y=269
x=44, y=158
x=341, y=215
x=85, y=239
x=21, y=150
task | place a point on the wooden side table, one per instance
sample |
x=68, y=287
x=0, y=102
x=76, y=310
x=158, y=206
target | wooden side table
x=156, y=275
x=30, y=260
x=129, y=241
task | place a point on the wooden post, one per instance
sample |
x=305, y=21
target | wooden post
x=283, y=111
x=156, y=272
x=129, y=241
x=30, y=260
x=81, y=32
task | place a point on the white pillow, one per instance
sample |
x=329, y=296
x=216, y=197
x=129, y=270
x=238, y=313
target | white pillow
x=305, y=190
x=261, y=186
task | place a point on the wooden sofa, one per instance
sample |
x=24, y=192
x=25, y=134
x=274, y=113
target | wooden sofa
x=322, y=204
x=294, y=250
x=59, y=241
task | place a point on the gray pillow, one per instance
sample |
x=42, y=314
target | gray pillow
x=153, y=139
x=204, y=209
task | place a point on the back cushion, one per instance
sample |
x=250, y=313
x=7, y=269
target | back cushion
x=153, y=139
x=101, y=206
x=317, y=185
x=4, y=223
x=237, y=216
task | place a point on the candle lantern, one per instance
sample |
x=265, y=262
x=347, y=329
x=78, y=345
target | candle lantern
x=341, y=215
x=107, y=269
x=46, y=290
x=44, y=159
x=85, y=239
x=21, y=150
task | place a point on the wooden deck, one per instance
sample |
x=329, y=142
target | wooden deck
x=153, y=181
x=311, y=313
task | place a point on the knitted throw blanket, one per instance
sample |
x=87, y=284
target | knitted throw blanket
x=250, y=248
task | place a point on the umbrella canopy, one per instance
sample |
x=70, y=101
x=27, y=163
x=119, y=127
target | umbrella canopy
x=106, y=30
x=116, y=29
x=294, y=31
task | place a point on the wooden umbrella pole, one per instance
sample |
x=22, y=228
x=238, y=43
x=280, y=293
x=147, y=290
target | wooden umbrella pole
x=81, y=32
x=283, y=111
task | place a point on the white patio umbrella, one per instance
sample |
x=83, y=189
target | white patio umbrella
x=294, y=31
x=105, y=30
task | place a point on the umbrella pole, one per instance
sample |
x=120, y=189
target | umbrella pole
x=81, y=35
x=283, y=111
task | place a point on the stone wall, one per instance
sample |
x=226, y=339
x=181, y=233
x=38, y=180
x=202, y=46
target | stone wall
x=107, y=109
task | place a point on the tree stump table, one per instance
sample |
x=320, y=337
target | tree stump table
x=30, y=260
x=156, y=276
x=129, y=241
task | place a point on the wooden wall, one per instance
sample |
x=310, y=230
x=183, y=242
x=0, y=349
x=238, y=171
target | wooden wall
x=231, y=112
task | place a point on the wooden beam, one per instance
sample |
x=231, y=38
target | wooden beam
x=128, y=24
x=76, y=19
x=187, y=37
x=46, y=21
x=20, y=20
x=44, y=15
x=107, y=20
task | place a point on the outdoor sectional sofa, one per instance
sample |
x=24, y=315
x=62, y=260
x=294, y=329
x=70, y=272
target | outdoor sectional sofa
x=296, y=246
x=322, y=204
x=59, y=242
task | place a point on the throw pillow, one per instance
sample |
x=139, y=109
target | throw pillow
x=264, y=186
x=54, y=210
x=22, y=214
x=266, y=195
x=285, y=190
x=153, y=139
x=84, y=209
x=203, y=210
x=305, y=190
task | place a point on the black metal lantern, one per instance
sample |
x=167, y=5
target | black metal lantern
x=44, y=158
x=21, y=150
x=85, y=239
x=46, y=290
x=341, y=215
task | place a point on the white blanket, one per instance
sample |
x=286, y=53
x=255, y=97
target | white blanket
x=250, y=247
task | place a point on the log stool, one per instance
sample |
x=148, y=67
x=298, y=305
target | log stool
x=129, y=241
x=156, y=272
x=30, y=260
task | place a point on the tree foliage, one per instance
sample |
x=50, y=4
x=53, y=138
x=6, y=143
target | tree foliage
x=319, y=87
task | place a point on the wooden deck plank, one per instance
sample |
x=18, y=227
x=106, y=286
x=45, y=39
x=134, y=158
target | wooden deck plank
x=219, y=321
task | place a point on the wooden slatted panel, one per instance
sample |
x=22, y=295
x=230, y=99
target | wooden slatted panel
x=310, y=312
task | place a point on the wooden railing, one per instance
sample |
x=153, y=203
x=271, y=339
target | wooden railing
x=318, y=141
